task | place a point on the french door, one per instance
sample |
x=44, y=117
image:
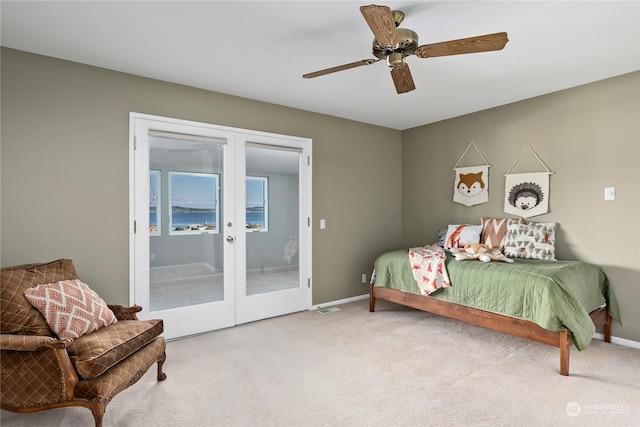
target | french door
x=220, y=224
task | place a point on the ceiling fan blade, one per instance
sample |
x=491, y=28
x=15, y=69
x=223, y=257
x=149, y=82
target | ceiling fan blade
x=380, y=20
x=402, y=79
x=485, y=43
x=340, y=68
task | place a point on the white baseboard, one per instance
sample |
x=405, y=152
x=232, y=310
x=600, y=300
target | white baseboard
x=614, y=340
x=621, y=341
x=342, y=301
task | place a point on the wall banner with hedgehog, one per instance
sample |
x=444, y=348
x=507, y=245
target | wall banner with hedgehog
x=471, y=184
x=527, y=194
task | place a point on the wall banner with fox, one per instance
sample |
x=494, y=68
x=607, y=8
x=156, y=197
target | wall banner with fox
x=471, y=186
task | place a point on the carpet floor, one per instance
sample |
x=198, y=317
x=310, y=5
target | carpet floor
x=394, y=367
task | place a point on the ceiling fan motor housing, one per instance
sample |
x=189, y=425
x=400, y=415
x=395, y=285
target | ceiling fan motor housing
x=407, y=45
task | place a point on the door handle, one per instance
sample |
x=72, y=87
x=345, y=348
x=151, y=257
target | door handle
x=230, y=239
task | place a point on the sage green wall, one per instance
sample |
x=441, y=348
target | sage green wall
x=65, y=178
x=588, y=136
x=65, y=171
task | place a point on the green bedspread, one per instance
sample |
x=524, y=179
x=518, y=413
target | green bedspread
x=556, y=295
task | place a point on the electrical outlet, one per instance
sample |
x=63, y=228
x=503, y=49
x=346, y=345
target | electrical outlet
x=364, y=278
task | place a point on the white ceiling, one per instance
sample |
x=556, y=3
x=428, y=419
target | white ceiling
x=261, y=49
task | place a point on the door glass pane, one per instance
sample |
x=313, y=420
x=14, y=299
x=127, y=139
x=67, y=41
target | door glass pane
x=186, y=252
x=272, y=217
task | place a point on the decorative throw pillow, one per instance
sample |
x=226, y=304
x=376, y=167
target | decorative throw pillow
x=70, y=308
x=531, y=240
x=458, y=234
x=493, y=232
x=442, y=236
x=17, y=316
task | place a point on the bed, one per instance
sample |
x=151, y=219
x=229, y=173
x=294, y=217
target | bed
x=552, y=302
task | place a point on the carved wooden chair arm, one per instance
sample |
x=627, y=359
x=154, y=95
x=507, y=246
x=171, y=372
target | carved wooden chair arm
x=125, y=313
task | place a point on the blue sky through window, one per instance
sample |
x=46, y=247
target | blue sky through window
x=255, y=192
x=198, y=191
x=191, y=190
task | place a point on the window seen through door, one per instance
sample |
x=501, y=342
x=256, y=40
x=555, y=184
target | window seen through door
x=194, y=199
x=154, y=203
x=257, y=207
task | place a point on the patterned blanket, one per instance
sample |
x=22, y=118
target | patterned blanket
x=427, y=266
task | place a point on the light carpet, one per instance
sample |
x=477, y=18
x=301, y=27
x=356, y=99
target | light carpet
x=394, y=367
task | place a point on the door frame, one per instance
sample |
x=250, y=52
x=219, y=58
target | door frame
x=305, y=250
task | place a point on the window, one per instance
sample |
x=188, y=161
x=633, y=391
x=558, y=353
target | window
x=154, y=203
x=257, y=206
x=194, y=201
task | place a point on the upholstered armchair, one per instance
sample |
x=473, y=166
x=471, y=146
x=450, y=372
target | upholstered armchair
x=40, y=370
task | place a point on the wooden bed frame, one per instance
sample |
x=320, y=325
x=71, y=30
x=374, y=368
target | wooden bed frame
x=498, y=322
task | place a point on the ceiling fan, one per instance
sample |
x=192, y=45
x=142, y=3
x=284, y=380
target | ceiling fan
x=395, y=44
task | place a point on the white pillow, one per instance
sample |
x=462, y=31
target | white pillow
x=459, y=234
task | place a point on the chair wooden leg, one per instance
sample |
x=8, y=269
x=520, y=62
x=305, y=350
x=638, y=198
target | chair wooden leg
x=97, y=409
x=161, y=359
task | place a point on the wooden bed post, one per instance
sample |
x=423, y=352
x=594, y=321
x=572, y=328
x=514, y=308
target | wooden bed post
x=372, y=299
x=607, y=327
x=565, y=346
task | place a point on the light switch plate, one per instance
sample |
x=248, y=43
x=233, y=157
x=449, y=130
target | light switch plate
x=609, y=193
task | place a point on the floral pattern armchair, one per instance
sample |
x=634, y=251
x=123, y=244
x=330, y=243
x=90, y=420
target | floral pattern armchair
x=39, y=371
